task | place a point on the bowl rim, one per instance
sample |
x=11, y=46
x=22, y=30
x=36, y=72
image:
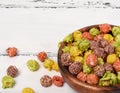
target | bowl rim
x=69, y=78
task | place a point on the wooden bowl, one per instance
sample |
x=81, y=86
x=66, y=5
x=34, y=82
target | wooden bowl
x=79, y=86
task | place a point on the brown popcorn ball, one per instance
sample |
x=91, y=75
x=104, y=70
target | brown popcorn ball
x=109, y=49
x=65, y=59
x=102, y=42
x=108, y=67
x=94, y=44
x=12, y=71
x=99, y=52
x=12, y=51
x=75, y=68
x=92, y=79
x=46, y=81
x=99, y=70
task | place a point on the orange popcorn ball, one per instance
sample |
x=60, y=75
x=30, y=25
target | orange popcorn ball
x=87, y=35
x=105, y=28
x=58, y=81
x=12, y=51
x=42, y=56
x=82, y=76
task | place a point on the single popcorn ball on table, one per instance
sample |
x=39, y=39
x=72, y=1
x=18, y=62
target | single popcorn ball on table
x=46, y=81
x=12, y=71
x=48, y=63
x=7, y=82
x=55, y=66
x=32, y=65
x=42, y=56
x=12, y=51
x=57, y=80
x=28, y=90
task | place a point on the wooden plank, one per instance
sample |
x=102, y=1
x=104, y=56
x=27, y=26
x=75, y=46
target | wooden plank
x=114, y=4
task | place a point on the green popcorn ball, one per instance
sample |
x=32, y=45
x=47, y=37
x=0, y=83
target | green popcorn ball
x=104, y=83
x=66, y=49
x=7, y=82
x=100, y=61
x=116, y=44
x=117, y=38
x=68, y=38
x=116, y=30
x=83, y=44
x=94, y=31
x=105, y=80
x=32, y=65
x=117, y=51
x=118, y=77
x=108, y=79
x=114, y=79
x=86, y=69
x=48, y=63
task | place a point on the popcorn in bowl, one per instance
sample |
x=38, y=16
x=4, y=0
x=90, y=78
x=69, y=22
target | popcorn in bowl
x=97, y=48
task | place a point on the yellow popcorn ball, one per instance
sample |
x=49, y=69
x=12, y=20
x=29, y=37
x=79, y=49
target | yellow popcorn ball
x=111, y=58
x=79, y=59
x=77, y=35
x=55, y=66
x=75, y=51
x=108, y=37
x=48, y=63
x=28, y=90
x=87, y=53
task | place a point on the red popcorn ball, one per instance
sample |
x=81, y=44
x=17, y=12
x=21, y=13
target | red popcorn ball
x=92, y=79
x=116, y=65
x=42, y=56
x=58, y=81
x=12, y=51
x=105, y=28
x=82, y=76
x=92, y=60
x=87, y=35
x=100, y=36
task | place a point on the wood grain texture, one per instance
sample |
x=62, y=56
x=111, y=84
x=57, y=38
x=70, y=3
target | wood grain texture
x=53, y=4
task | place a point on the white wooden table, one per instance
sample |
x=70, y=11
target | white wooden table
x=38, y=25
